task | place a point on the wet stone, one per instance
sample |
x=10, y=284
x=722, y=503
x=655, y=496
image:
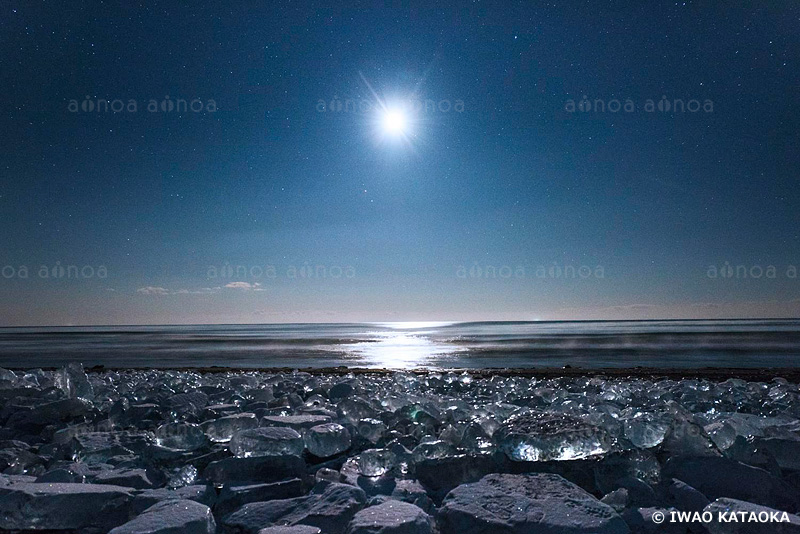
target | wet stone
x=62, y=506
x=330, y=507
x=171, y=516
x=144, y=499
x=98, y=447
x=296, y=529
x=717, y=477
x=682, y=496
x=132, y=478
x=233, y=496
x=745, y=512
x=255, y=469
x=87, y=452
x=526, y=504
x=391, y=517
x=441, y=475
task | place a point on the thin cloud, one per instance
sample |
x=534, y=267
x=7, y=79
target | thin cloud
x=236, y=286
x=151, y=290
x=245, y=286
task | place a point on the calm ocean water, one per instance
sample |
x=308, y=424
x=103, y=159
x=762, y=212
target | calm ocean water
x=739, y=343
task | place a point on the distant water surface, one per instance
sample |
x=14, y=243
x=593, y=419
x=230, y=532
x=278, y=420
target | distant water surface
x=684, y=344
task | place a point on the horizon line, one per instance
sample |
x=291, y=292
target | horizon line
x=449, y=322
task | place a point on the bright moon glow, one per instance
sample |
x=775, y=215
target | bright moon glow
x=394, y=122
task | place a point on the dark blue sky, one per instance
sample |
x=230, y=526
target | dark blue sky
x=503, y=176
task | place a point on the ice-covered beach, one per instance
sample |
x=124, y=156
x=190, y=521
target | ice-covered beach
x=144, y=451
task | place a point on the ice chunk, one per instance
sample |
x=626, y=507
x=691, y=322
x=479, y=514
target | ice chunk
x=371, y=429
x=326, y=473
x=431, y=450
x=8, y=378
x=183, y=476
x=375, y=462
x=536, y=437
x=221, y=430
x=73, y=381
x=645, y=430
x=266, y=441
x=191, y=403
x=354, y=409
x=685, y=437
x=476, y=439
x=297, y=422
x=327, y=440
x=98, y=447
x=180, y=436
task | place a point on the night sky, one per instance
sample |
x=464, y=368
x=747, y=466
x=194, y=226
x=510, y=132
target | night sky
x=398, y=161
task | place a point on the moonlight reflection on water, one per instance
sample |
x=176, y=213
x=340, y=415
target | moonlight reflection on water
x=407, y=345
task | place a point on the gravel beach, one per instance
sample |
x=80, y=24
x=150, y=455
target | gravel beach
x=365, y=451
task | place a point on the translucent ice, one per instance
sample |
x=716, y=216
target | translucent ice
x=431, y=450
x=183, y=476
x=375, y=462
x=543, y=437
x=73, y=381
x=180, y=436
x=267, y=441
x=327, y=440
x=221, y=430
x=371, y=429
x=645, y=430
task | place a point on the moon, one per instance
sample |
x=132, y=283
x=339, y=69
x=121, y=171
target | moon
x=394, y=122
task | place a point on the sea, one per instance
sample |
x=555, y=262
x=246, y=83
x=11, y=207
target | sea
x=413, y=345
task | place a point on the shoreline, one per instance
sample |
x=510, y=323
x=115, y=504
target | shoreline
x=240, y=451
x=716, y=374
